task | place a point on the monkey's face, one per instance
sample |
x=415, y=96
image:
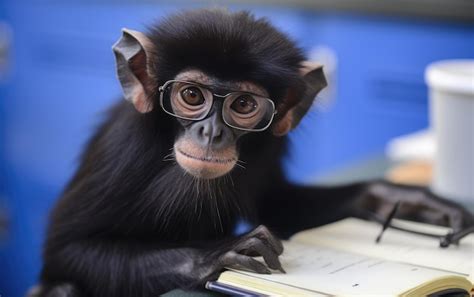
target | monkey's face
x=213, y=115
x=250, y=62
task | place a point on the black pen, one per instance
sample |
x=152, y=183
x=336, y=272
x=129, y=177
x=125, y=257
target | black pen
x=387, y=222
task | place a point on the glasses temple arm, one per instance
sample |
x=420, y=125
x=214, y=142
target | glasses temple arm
x=455, y=237
x=386, y=224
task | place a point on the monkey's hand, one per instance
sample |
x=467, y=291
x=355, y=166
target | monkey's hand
x=240, y=252
x=416, y=203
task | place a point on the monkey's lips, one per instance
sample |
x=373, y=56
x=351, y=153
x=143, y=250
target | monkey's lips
x=201, y=165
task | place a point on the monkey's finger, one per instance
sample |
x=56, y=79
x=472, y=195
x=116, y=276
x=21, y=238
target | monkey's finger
x=459, y=219
x=384, y=209
x=467, y=219
x=275, y=243
x=233, y=259
x=458, y=216
x=264, y=234
x=256, y=246
x=432, y=216
x=455, y=215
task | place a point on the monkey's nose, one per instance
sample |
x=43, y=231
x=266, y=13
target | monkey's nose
x=210, y=133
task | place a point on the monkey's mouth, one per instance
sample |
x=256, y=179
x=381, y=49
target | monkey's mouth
x=201, y=165
x=207, y=159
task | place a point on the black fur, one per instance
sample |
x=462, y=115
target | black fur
x=125, y=193
x=232, y=46
x=131, y=223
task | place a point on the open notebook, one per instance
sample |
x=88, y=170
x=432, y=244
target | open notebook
x=342, y=259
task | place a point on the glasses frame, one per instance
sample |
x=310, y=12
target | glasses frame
x=162, y=88
x=444, y=240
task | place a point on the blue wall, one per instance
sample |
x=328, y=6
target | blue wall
x=63, y=78
x=380, y=90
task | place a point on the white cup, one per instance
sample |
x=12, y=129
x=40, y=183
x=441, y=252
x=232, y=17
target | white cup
x=451, y=86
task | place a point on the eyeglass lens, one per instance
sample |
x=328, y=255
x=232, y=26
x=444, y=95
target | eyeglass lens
x=240, y=110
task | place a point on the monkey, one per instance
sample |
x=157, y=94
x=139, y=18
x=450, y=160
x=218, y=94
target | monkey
x=194, y=149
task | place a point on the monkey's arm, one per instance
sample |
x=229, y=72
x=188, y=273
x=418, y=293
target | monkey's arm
x=130, y=268
x=291, y=208
x=104, y=267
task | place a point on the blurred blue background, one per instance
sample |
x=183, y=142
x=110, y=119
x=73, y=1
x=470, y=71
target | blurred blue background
x=57, y=76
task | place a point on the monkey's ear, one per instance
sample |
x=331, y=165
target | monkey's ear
x=315, y=81
x=132, y=54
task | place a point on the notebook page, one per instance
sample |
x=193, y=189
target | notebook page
x=340, y=273
x=358, y=236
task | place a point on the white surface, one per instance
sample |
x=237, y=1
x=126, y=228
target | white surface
x=452, y=120
x=358, y=236
x=416, y=146
x=452, y=76
x=343, y=259
x=341, y=273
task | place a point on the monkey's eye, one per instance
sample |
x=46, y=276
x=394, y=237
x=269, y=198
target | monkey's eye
x=192, y=96
x=244, y=104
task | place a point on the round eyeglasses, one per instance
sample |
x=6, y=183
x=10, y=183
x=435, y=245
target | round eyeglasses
x=192, y=101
